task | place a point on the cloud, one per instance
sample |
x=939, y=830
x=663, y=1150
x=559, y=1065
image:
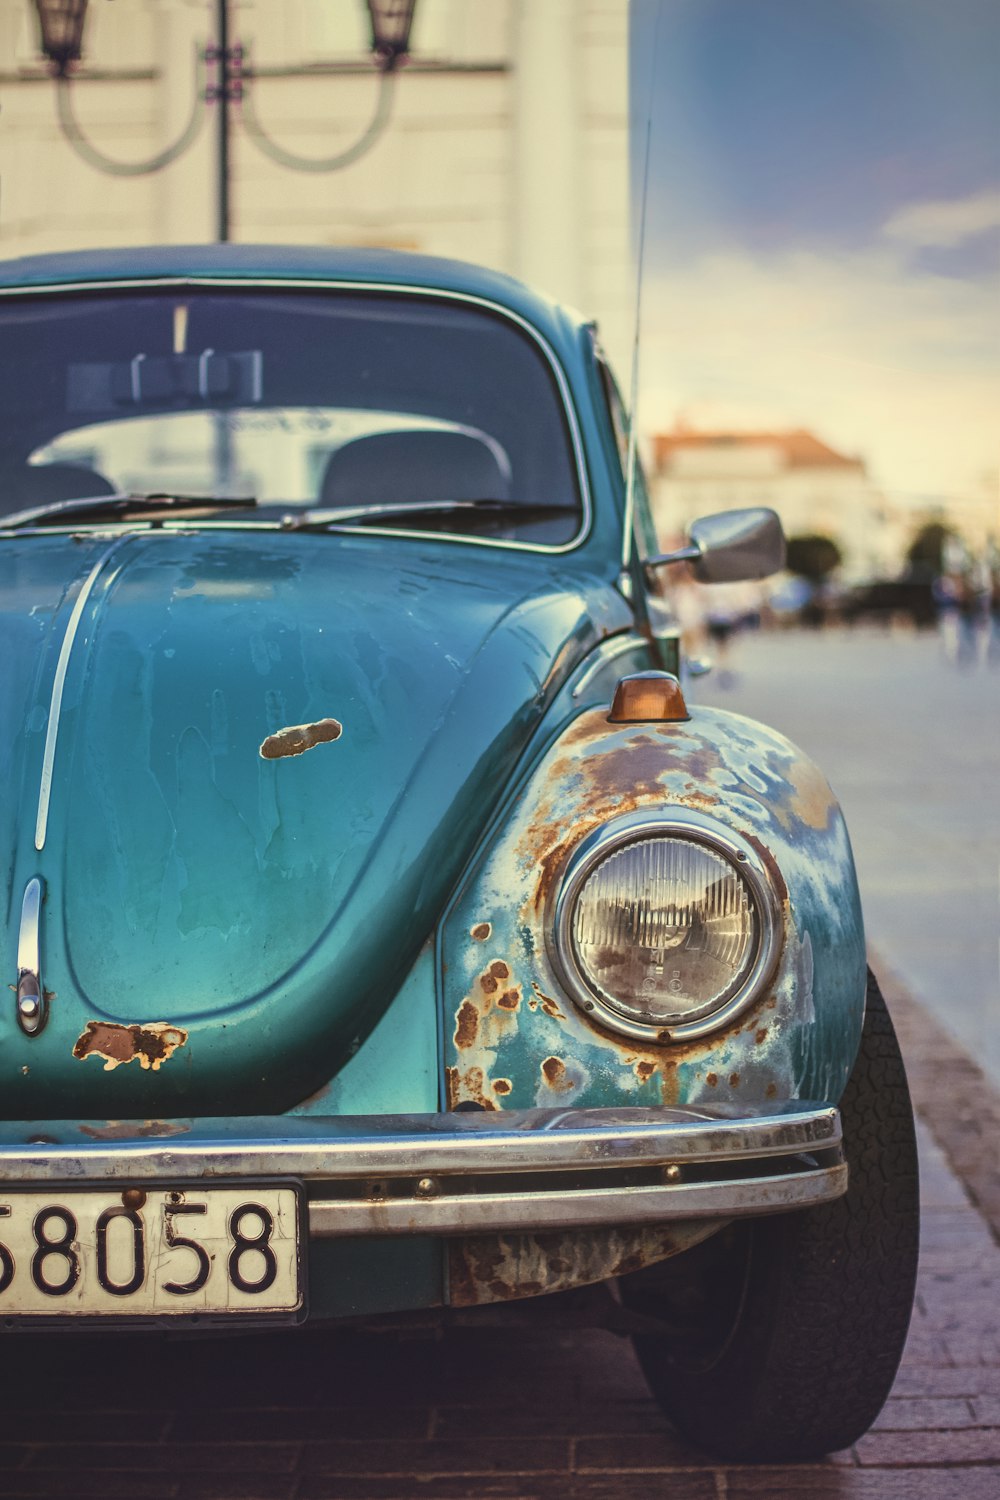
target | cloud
x=897, y=365
x=945, y=222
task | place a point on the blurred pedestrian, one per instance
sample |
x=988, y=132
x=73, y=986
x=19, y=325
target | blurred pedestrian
x=947, y=591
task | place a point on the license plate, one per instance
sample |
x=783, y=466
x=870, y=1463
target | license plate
x=150, y=1252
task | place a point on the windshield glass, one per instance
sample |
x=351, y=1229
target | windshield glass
x=303, y=400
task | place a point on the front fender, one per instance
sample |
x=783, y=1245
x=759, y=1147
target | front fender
x=513, y=1037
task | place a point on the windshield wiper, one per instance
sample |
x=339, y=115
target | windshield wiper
x=102, y=507
x=322, y=520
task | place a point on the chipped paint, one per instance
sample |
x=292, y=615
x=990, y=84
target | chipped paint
x=298, y=738
x=150, y=1045
x=482, y=932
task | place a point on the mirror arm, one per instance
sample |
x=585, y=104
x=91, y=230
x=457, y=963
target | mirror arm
x=690, y=553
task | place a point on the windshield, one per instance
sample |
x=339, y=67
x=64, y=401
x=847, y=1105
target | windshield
x=302, y=400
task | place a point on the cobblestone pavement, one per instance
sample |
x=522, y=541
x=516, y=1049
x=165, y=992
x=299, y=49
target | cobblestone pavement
x=539, y=1415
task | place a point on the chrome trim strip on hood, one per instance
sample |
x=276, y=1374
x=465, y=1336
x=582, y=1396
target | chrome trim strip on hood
x=58, y=683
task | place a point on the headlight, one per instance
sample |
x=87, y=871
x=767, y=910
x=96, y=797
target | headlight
x=666, y=923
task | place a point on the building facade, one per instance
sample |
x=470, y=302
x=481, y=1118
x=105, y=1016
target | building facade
x=505, y=142
x=814, y=489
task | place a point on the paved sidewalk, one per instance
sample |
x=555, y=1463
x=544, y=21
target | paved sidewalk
x=543, y=1416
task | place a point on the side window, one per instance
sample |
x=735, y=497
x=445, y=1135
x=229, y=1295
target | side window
x=644, y=527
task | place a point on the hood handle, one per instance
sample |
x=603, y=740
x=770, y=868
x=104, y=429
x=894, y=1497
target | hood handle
x=32, y=1003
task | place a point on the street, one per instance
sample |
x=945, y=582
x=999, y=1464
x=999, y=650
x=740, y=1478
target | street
x=551, y=1414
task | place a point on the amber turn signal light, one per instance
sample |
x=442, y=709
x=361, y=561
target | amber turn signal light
x=648, y=698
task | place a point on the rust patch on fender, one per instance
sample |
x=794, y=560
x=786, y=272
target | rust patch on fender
x=466, y=1025
x=773, y=868
x=126, y=1130
x=510, y=999
x=489, y=982
x=468, y=1088
x=150, y=1045
x=502, y=1085
x=554, y=1073
x=644, y=1070
x=298, y=738
x=481, y=932
x=549, y=1006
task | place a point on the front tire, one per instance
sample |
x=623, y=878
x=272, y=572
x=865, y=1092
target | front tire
x=786, y=1332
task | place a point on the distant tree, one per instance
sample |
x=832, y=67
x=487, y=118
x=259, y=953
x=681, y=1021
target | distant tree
x=925, y=554
x=812, y=556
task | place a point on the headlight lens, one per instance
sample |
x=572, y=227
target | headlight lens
x=665, y=927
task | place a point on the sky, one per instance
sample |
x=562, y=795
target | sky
x=822, y=244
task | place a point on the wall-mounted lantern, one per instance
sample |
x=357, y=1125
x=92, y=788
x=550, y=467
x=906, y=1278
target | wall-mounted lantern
x=391, y=21
x=60, y=26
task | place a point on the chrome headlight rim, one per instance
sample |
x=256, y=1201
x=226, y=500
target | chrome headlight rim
x=697, y=828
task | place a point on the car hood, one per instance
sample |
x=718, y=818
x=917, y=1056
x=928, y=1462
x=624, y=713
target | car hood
x=235, y=921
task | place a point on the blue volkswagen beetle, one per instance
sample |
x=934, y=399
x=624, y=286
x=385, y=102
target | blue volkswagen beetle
x=384, y=930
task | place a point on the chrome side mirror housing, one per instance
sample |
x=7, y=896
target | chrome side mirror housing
x=731, y=546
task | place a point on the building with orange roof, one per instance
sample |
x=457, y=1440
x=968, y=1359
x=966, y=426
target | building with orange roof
x=814, y=488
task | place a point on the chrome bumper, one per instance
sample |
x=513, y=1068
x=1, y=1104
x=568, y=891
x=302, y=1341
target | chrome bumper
x=465, y=1174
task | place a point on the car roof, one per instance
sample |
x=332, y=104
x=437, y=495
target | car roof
x=373, y=267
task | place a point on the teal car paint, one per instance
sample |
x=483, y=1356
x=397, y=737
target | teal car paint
x=248, y=901
x=314, y=603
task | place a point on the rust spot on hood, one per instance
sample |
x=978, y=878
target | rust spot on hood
x=298, y=738
x=151, y=1045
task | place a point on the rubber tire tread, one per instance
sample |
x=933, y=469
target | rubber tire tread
x=829, y=1292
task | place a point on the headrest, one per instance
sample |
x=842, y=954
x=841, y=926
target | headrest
x=412, y=468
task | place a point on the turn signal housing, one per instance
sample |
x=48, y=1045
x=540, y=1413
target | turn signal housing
x=648, y=698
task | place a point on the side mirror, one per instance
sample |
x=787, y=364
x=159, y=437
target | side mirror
x=732, y=546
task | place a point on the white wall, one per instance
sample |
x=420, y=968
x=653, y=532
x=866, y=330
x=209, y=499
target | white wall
x=513, y=151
